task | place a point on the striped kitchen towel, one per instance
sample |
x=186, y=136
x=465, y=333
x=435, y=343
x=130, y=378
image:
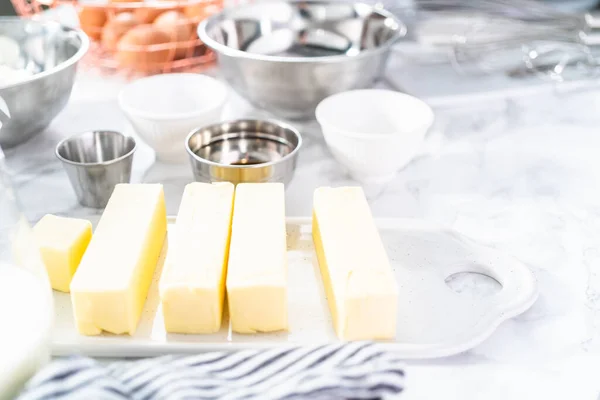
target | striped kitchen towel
x=338, y=371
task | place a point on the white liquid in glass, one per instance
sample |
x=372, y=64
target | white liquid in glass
x=26, y=311
x=26, y=306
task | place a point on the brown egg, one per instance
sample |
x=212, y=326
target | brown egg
x=132, y=50
x=92, y=19
x=148, y=14
x=116, y=27
x=179, y=28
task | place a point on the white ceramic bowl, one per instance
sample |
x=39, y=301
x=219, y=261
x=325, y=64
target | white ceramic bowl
x=373, y=133
x=164, y=109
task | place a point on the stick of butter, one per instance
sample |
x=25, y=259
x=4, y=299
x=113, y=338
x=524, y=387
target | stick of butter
x=62, y=242
x=110, y=286
x=257, y=271
x=359, y=282
x=192, y=285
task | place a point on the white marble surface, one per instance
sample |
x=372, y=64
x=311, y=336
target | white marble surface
x=520, y=175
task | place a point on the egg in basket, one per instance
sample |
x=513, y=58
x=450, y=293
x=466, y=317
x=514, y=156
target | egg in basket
x=145, y=37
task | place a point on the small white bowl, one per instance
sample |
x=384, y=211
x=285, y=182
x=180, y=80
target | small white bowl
x=374, y=133
x=164, y=109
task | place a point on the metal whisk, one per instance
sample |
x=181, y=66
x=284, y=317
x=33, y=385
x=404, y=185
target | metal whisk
x=513, y=36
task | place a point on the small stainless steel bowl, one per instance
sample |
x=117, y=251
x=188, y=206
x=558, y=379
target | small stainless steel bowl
x=51, y=52
x=288, y=56
x=95, y=162
x=244, y=151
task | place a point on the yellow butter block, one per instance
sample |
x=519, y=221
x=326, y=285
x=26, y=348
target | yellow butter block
x=359, y=282
x=110, y=286
x=62, y=242
x=192, y=285
x=257, y=271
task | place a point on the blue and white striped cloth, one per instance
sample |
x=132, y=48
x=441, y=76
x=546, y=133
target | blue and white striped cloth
x=337, y=371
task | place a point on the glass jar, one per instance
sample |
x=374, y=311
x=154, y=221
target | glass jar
x=26, y=306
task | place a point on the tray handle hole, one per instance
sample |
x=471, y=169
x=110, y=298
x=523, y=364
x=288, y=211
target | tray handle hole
x=473, y=284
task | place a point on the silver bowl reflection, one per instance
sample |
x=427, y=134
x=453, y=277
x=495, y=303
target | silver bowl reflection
x=288, y=56
x=244, y=151
x=50, y=52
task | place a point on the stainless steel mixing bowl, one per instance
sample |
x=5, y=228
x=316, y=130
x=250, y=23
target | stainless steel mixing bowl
x=288, y=56
x=244, y=151
x=51, y=52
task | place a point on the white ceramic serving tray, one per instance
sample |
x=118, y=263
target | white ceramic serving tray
x=433, y=319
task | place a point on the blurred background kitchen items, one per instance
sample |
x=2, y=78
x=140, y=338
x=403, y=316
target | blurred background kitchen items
x=38, y=61
x=163, y=109
x=95, y=162
x=572, y=5
x=136, y=37
x=374, y=133
x=461, y=53
x=244, y=151
x=26, y=305
x=491, y=36
x=287, y=56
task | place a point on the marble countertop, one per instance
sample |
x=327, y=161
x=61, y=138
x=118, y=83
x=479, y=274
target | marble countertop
x=521, y=175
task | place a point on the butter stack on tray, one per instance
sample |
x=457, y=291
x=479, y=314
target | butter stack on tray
x=231, y=272
x=227, y=242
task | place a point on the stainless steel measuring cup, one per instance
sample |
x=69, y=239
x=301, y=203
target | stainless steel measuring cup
x=95, y=162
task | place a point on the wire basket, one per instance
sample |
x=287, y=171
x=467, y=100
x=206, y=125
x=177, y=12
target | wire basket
x=138, y=37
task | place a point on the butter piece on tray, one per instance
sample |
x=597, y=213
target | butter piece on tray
x=359, y=282
x=192, y=285
x=257, y=270
x=62, y=242
x=110, y=286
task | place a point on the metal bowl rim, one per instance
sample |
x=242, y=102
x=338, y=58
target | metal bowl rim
x=228, y=51
x=85, y=44
x=95, y=164
x=280, y=124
